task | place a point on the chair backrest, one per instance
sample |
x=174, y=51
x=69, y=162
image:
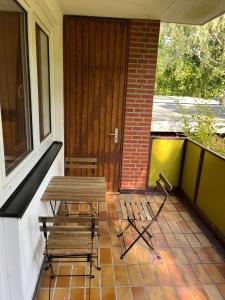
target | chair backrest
x=80, y=163
x=163, y=184
x=67, y=224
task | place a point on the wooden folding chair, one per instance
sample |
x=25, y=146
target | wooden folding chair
x=71, y=238
x=81, y=163
x=88, y=163
x=140, y=210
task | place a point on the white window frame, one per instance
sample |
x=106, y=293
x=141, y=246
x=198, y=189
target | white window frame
x=8, y=183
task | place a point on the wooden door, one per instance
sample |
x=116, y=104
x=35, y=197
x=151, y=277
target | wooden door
x=95, y=62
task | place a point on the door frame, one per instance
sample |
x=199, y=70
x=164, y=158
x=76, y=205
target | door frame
x=124, y=106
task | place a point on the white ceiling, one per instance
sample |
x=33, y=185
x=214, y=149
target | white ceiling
x=176, y=11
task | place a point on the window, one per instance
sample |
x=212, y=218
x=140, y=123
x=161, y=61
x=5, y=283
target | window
x=42, y=44
x=14, y=84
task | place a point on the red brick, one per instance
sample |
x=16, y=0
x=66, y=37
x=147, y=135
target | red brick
x=139, y=97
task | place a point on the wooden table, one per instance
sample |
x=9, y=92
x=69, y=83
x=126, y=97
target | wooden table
x=74, y=189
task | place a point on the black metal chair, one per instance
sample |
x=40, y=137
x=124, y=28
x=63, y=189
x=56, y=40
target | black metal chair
x=140, y=210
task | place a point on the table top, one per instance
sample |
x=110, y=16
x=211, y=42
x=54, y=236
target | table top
x=76, y=189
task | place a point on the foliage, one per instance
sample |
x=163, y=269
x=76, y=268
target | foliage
x=191, y=60
x=201, y=126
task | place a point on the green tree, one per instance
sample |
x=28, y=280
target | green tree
x=200, y=126
x=191, y=60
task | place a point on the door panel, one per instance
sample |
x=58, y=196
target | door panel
x=95, y=61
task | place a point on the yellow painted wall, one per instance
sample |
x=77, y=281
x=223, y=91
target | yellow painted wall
x=166, y=158
x=191, y=161
x=211, y=194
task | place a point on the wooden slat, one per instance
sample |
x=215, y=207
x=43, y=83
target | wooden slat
x=83, y=178
x=60, y=219
x=74, y=245
x=122, y=89
x=77, y=252
x=152, y=207
x=81, y=159
x=85, y=91
x=79, y=166
x=129, y=210
x=109, y=104
x=141, y=211
x=75, y=200
x=90, y=197
x=69, y=235
x=124, y=210
x=145, y=208
x=62, y=239
x=76, y=191
x=135, y=210
x=55, y=245
x=78, y=178
x=66, y=229
x=103, y=96
x=88, y=187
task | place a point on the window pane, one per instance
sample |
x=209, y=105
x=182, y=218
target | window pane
x=43, y=82
x=14, y=84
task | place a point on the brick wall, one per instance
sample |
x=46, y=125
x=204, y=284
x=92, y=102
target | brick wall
x=143, y=46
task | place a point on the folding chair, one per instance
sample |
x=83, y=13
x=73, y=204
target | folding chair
x=71, y=238
x=140, y=210
x=89, y=163
x=81, y=163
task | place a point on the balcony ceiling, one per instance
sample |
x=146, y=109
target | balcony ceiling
x=194, y=12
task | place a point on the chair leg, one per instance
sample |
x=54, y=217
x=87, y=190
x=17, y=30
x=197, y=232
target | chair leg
x=98, y=267
x=140, y=235
x=52, y=275
x=90, y=275
x=52, y=208
x=121, y=233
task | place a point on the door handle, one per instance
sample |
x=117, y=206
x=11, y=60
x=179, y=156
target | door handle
x=115, y=134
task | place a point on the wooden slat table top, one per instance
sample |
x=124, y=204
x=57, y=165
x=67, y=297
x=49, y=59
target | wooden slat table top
x=76, y=189
x=135, y=210
x=78, y=178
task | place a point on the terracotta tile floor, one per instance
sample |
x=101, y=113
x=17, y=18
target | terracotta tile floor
x=191, y=267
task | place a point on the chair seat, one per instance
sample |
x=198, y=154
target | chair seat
x=136, y=210
x=70, y=236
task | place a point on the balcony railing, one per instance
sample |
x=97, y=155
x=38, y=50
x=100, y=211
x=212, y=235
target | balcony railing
x=198, y=175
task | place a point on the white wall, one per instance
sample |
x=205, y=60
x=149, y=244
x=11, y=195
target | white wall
x=31, y=242
x=21, y=244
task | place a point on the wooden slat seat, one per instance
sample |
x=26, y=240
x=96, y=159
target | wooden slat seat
x=135, y=210
x=71, y=253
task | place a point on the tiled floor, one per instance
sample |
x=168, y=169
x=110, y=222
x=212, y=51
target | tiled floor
x=190, y=268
